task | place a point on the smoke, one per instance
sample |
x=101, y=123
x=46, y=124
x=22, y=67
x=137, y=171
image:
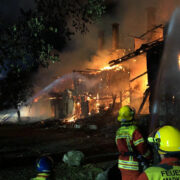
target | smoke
x=131, y=15
x=138, y=86
x=37, y=107
x=59, y=83
x=134, y=13
x=82, y=53
x=166, y=9
x=167, y=94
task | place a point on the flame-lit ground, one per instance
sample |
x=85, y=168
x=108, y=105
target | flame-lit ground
x=21, y=145
x=20, y=142
x=56, y=137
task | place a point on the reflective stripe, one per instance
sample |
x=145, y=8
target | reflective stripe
x=138, y=141
x=158, y=134
x=128, y=138
x=41, y=176
x=123, y=136
x=136, y=168
x=130, y=158
x=126, y=130
x=129, y=145
x=128, y=162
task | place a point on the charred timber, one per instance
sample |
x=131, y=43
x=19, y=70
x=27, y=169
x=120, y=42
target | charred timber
x=144, y=48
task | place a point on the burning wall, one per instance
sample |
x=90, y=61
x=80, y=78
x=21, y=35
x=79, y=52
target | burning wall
x=138, y=86
x=111, y=83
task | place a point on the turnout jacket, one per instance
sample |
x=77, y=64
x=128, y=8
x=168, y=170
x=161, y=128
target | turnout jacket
x=130, y=142
x=168, y=169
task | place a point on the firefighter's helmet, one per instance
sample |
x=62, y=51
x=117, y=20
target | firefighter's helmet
x=126, y=113
x=168, y=139
x=45, y=164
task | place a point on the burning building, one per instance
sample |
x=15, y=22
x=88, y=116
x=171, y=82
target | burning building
x=163, y=75
x=129, y=79
x=96, y=90
x=62, y=104
x=108, y=84
x=144, y=63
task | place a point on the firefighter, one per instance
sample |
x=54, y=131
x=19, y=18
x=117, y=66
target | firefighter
x=167, y=139
x=130, y=144
x=44, y=168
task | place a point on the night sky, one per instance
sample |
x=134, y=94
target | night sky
x=9, y=9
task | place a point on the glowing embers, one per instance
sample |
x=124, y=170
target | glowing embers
x=70, y=119
x=35, y=100
x=179, y=61
x=115, y=68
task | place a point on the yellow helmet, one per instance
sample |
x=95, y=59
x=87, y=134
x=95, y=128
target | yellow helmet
x=168, y=139
x=126, y=113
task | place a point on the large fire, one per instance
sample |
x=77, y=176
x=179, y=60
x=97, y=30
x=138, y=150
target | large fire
x=112, y=85
x=139, y=86
x=116, y=68
x=70, y=119
x=99, y=88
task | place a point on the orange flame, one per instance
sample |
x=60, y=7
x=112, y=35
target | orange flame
x=116, y=67
x=36, y=100
x=70, y=119
x=179, y=61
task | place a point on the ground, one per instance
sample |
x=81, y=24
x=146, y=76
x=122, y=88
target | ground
x=21, y=145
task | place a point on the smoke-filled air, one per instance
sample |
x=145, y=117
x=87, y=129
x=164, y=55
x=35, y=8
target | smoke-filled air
x=83, y=73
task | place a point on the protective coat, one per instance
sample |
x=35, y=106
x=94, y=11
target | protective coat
x=130, y=142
